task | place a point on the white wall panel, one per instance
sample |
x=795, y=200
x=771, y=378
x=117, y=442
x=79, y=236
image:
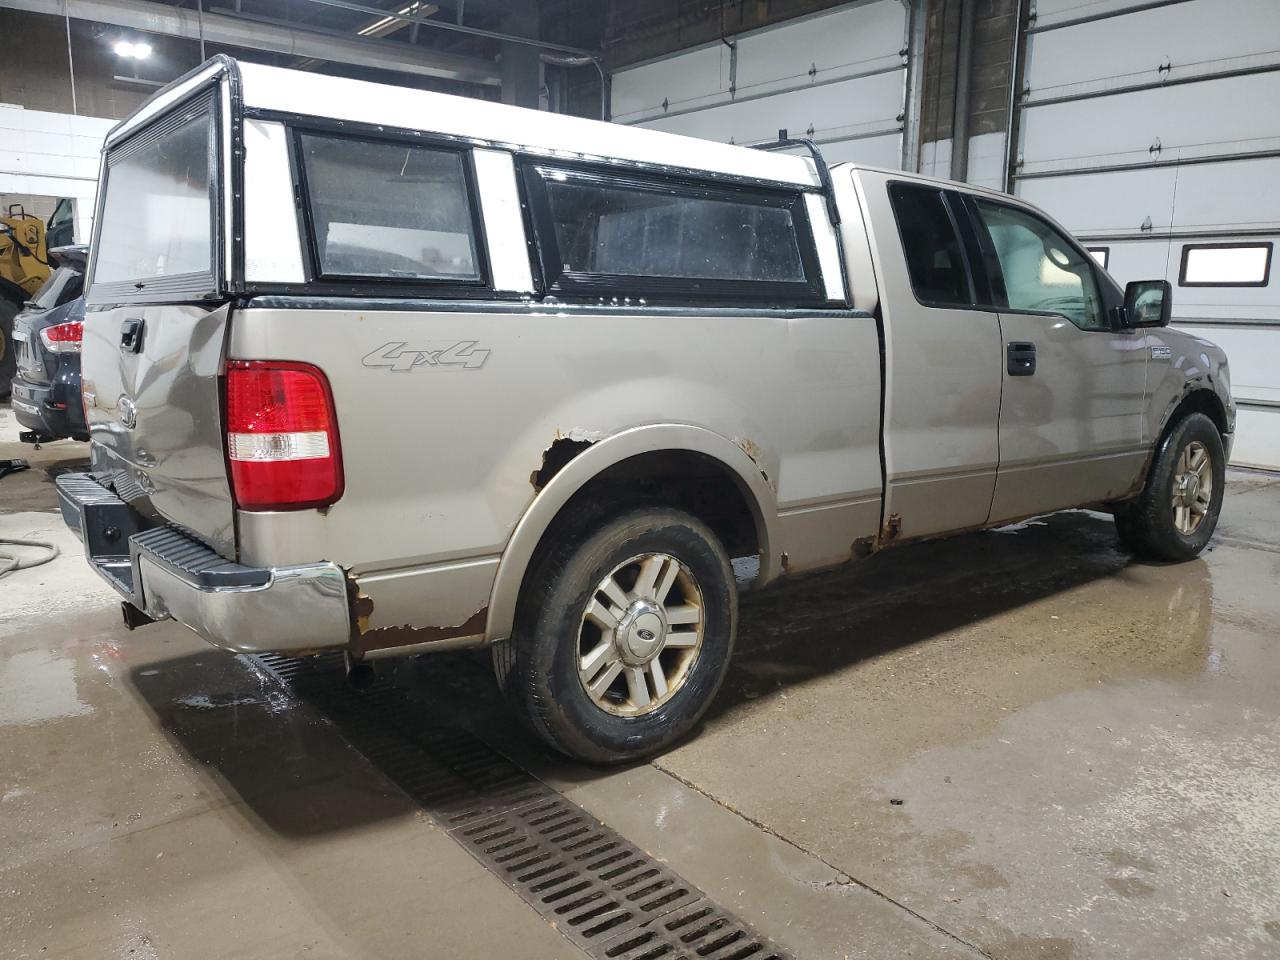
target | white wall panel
x=1225, y=196
x=1198, y=186
x=1054, y=12
x=1257, y=438
x=698, y=78
x=834, y=111
x=1194, y=38
x=837, y=77
x=54, y=155
x=1210, y=118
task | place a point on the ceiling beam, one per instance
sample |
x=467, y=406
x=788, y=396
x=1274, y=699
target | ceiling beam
x=293, y=41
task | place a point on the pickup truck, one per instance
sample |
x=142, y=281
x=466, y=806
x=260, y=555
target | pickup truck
x=389, y=372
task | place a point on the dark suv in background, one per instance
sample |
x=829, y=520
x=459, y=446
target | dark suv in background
x=46, y=337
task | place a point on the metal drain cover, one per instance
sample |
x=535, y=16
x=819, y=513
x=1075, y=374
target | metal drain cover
x=599, y=890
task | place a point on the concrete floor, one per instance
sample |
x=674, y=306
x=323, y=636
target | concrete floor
x=1085, y=750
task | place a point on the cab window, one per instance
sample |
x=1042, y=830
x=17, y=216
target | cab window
x=1042, y=271
x=935, y=258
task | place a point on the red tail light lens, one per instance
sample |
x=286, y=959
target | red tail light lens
x=282, y=436
x=63, y=337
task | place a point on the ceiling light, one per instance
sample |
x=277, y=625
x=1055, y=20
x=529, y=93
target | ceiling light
x=135, y=51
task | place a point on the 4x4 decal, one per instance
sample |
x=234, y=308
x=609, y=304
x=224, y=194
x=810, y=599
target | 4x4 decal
x=397, y=355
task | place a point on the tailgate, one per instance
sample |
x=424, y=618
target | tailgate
x=153, y=401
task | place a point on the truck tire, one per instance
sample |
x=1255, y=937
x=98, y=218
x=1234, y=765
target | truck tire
x=623, y=636
x=1177, y=512
x=8, y=354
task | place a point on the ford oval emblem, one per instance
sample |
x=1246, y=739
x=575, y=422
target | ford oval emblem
x=128, y=412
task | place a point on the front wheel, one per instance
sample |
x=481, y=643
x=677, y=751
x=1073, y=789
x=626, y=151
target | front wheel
x=1177, y=512
x=623, y=637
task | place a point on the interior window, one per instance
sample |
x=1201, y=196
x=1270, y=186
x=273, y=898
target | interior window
x=935, y=260
x=381, y=209
x=660, y=232
x=1043, y=272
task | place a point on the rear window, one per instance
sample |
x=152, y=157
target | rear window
x=935, y=260
x=389, y=210
x=623, y=235
x=156, y=230
x=63, y=284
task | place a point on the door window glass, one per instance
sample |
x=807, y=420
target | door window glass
x=1042, y=271
x=935, y=260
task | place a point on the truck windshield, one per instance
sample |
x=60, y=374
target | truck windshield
x=157, y=216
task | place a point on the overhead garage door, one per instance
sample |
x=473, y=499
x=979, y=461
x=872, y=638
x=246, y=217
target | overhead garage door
x=1152, y=129
x=837, y=78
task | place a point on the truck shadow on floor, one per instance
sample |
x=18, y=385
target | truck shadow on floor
x=272, y=744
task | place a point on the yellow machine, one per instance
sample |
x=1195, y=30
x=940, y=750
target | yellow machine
x=24, y=267
x=24, y=261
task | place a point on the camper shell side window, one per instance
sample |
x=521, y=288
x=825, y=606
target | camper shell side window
x=603, y=232
x=384, y=213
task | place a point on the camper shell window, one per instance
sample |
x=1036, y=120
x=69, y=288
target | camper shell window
x=156, y=221
x=386, y=210
x=607, y=233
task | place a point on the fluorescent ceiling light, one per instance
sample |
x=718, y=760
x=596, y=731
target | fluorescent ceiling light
x=135, y=51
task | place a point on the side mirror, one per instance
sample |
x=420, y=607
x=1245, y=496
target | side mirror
x=1148, y=303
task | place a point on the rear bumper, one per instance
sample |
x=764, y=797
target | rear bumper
x=166, y=574
x=51, y=410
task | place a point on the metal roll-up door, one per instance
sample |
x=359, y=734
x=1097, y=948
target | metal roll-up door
x=1152, y=130
x=837, y=77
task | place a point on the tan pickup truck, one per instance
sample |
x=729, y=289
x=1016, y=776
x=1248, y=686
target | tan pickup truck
x=387, y=371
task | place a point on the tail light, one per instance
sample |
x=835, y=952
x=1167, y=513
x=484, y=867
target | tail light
x=63, y=337
x=282, y=436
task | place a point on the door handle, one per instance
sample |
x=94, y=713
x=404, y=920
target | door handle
x=131, y=335
x=1021, y=359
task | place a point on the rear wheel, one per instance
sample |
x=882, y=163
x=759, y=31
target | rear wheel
x=8, y=354
x=624, y=636
x=1177, y=511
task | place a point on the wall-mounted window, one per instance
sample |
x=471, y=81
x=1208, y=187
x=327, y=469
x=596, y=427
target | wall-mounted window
x=602, y=233
x=1102, y=255
x=935, y=259
x=389, y=211
x=1225, y=265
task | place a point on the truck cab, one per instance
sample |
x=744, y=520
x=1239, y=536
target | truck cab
x=390, y=372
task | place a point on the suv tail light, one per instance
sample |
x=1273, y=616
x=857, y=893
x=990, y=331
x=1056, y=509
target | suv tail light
x=282, y=436
x=63, y=337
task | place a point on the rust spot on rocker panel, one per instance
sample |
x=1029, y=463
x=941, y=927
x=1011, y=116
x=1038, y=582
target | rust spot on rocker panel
x=383, y=638
x=892, y=528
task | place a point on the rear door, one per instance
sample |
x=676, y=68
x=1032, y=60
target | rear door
x=155, y=328
x=1071, y=413
x=942, y=364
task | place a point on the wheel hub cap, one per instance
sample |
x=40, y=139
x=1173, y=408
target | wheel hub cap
x=1192, y=488
x=640, y=635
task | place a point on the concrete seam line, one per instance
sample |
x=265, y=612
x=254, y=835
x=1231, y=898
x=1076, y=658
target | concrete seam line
x=827, y=863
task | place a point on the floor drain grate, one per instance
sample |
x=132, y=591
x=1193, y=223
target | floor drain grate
x=599, y=890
